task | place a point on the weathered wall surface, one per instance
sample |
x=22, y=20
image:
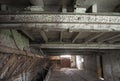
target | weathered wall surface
x=107, y=6
x=111, y=66
x=14, y=39
x=90, y=64
x=73, y=61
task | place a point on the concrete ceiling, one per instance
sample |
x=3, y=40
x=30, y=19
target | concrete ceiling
x=58, y=33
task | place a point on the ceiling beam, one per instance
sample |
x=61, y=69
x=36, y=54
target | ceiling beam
x=80, y=53
x=115, y=40
x=27, y=34
x=44, y=36
x=59, y=18
x=91, y=38
x=78, y=46
x=64, y=27
x=111, y=38
x=59, y=22
x=68, y=50
x=76, y=37
x=9, y=50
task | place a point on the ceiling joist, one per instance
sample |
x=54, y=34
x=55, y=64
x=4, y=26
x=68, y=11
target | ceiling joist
x=89, y=39
x=28, y=35
x=76, y=37
x=78, y=46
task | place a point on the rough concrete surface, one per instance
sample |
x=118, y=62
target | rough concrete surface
x=67, y=74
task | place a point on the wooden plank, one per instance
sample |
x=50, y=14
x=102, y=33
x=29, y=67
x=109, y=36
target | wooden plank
x=9, y=62
x=12, y=68
x=8, y=50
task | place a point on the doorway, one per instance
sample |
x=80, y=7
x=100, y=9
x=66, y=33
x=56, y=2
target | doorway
x=65, y=61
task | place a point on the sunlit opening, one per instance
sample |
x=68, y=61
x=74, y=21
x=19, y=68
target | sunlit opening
x=82, y=59
x=65, y=56
x=79, y=62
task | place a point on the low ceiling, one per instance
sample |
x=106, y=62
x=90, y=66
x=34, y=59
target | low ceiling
x=54, y=37
x=38, y=36
x=68, y=37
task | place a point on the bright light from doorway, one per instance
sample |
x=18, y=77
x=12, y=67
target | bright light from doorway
x=82, y=59
x=65, y=56
x=79, y=62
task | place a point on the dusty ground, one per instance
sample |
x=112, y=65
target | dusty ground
x=66, y=74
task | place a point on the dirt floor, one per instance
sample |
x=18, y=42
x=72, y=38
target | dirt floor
x=67, y=74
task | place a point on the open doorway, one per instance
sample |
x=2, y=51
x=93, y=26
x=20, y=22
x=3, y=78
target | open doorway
x=65, y=61
x=72, y=61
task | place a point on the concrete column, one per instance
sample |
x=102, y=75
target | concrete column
x=94, y=8
x=73, y=61
x=64, y=9
x=100, y=69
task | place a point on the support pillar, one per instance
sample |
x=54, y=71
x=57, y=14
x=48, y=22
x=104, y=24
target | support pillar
x=94, y=8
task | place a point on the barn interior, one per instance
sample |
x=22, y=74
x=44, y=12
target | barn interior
x=59, y=40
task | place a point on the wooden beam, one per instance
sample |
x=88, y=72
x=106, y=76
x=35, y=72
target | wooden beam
x=111, y=38
x=12, y=68
x=44, y=36
x=8, y=50
x=115, y=40
x=8, y=63
x=78, y=46
x=89, y=39
x=76, y=37
x=71, y=53
x=27, y=34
